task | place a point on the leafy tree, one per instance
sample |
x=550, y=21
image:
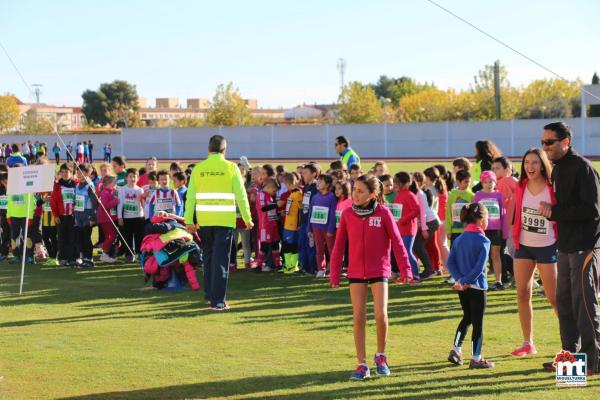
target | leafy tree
x=114, y=103
x=549, y=98
x=227, y=108
x=594, y=108
x=396, y=88
x=358, y=104
x=189, y=122
x=9, y=112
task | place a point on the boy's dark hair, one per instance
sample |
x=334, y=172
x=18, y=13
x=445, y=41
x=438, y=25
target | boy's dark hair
x=562, y=130
x=354, y=167
x=119, y=160
x=385, y=177
x=327, y=179
x=471, y=213
x=343, y=140
x=142, y=171
x=152, y=176
x=312, y=168
x=180, y=176
x=462, y=175
x=16, y=148
x=161, y=173
x=280, y=169
x=132, y=171
x=505, y=162
x=336, y=165
x=85, y=168
x=269, y=170
x=68, y=166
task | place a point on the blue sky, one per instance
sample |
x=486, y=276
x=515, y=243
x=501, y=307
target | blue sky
x=283, y=53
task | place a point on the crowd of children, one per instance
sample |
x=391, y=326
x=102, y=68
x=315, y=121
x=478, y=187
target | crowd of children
x=448, y=220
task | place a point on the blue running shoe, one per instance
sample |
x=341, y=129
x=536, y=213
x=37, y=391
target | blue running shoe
x=361, y=373
x=2, y=257
x=381, y=365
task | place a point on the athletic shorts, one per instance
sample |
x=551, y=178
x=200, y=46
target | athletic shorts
x=369, y=281
x=290, y=237
x=541, y=255
x=495, y=237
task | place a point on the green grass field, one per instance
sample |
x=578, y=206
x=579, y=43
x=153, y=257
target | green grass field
x=92, y=334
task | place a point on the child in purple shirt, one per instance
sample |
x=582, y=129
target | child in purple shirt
x=498, y=227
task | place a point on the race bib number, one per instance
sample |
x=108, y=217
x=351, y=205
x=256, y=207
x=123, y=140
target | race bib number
x=456, y=208
x=493, y=208
x=305, y=202
x=79, y=203
x=164, y=205
x=338, y=216
x=3, y=202
x=319, y=215
x=131, y=207
x=534, y=222
x=18, y=199
x=272, y=215
x=68, y=195
x=396, y=210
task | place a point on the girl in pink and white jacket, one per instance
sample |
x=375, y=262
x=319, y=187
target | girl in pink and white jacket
x=369, y=229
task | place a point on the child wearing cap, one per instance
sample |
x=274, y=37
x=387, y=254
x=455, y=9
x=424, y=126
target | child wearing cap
x=498, y=226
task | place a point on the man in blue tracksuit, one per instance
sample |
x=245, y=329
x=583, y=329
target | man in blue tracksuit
x=306, y=244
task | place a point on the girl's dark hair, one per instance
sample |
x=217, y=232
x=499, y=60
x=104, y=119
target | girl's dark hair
x=142, y=171
x=446, y=175
x=373, y=185
x=327, y=179
x=546, y=166
x=402, y=178
x=417, y=182
x=486, y=150
x=346, y=188
x=119, y=160
x=68, y=166
x=338, y=174
x=336, y=165
x=175, y=166
x=471, y=213
x=269, y=169
x=438, y=183
x=313, y=168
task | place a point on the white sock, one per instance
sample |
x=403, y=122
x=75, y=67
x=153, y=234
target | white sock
x=457, y=349
x=530, y=342
x=476, y=358
x=379, y=354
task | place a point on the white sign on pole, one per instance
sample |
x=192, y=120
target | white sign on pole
x=32, y=179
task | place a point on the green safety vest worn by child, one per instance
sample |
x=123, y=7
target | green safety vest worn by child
x=17, y=205
x=457, y=199
x=216, y=186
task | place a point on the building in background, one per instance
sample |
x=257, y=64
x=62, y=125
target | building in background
x=61, y=118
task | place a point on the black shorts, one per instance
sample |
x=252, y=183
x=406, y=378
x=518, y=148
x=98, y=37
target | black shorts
x=541, y=255
x=495, y=237
x=368, y=281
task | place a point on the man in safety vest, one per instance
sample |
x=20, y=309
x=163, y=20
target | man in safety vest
x=348, y=157
x=216, y=186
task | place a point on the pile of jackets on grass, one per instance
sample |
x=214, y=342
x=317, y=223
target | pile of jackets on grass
x=169, y=249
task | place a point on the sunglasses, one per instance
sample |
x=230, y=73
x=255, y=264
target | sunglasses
x=549, y=142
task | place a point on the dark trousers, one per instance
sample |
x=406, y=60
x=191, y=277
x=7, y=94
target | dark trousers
x=50, y=240
x=420, y=250
x=66, y=238
x=306, y=250
x=578, y=311
x=473, y=303
x=216, y=245
x=133, y=232
x=84, y=242
x=5, y=234
x=17, y=234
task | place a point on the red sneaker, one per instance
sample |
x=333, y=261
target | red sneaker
x=525, y=350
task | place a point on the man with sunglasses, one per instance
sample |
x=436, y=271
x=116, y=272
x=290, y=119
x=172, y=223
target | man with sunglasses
x=577, y=213
x=348, y=156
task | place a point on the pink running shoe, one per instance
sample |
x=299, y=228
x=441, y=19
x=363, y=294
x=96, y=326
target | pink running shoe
x=525, y=350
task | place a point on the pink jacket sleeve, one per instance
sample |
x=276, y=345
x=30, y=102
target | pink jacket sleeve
x=397, y=245
x=422, y=219
x=335, y=265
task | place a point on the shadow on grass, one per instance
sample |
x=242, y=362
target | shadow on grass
x=413, y=385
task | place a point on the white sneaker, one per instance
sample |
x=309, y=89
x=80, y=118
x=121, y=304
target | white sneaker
x=535, y=284
x=108, y=259
x=266, y=268
x=321, y=274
